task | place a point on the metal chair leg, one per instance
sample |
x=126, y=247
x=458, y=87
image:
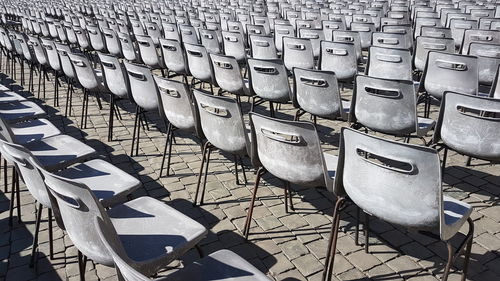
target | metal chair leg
x=135, y=129
x=51, y=235
x=366, y=228
x=82, y=264
x=34, y=248
x=209, y=151
x=332, y=243
x=204, y=152
x=248, y=222
x=167, y=140
x=111, y=111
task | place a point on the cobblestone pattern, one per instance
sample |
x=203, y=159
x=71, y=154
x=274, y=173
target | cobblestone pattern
x=286, y=246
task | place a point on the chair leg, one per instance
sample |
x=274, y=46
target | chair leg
x=51, y=235
x=167, y=139
x=236, y=169
x=15, y=186
x=67, y=100
x=209, y=151
x=285, y=191
x=243, y=171
x=139, y=119
x=35, y=239
x=332, y=243
x=356, y=230
x=248, y=221
x=82, y=264
x=450, y=261
x=469, y=237
x=111, y=111
x=443, y=164
x=170, y=143
x=203, y=153
x=85, y=97
x=289, y=191
x=271, y=109
x=11, y=207
x=366, y=228
x=469, y=159
x=135, y=129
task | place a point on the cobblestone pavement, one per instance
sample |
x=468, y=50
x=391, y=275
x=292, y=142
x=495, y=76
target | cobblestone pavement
x=286, y=246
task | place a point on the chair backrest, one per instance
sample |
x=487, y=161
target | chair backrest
x=222, y=122
x=390, y=40
x=52, y=55
x=96, y=38
x=188, y=34
x=148, y=50
x=112, y=42
x=234, y=45
x=142, y=86
x=153, y=31
x=263, y=47
x=173, y=56
x=210, y=40
x=269, y=79
x=450, y=72
x=280, y=31
x=317, y=92
x=480, y=36
x=389, y=63
x=488, y=60
x=469, y=125
x=199, y=63
x=67, y=67
x=330, y=25
x=79, y=208
x=84, y=71
x=424, y=45
x=365, y=31
x=40, y=54
x=227, y=74
x=400, y=183
x=437, y=32
x=289, y=150
x=340, y=58
x=137, y=27
x=297, y=52
x=128, y=46
x=384, y=105
x=82, y=37
x=114, y=75
x=176, y=104
x=345, y=36
x=458, y=28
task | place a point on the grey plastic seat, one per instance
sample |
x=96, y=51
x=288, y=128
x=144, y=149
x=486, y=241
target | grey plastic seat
x=425, y=21
x=290, y=151
x=389, y=63
x=148, y=52
x=145, y=94
x=170, y=31
x=18, y=111
x=228, y=75
x=234, y=45
x=365, y=31
x=317, y=92
x=112, y=42
x=96, y=38
x=55, y=65
x=153, y=31
x=334, y=24
x=315, y=36
x=449, y=72
x=467, y=125
x=396, y=110
x=280, y=31
x=344, y=36
x=262, y=47
x=389, y=40
x=151, y=232
x=174, y=57
x=458, y=28
x=408, y=192
x=177, y=106
x=269, y=82
x=340, y=58
x=480, y=36
x=220, y=265
x=488, y=60
x=129, y=50
x=31, y=130
x=199, y=64
x=210, y=40
x=298, y=52
x=424, y=45
x=188, y=34
x=403, y=29
x=223, y=126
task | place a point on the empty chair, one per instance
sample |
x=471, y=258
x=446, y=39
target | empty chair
x=170, y=31
x=112, y=42
x=152, y=233
x=178, y=108
x=153, y=31
x=223, y=126
x=67, y=68
x=96, y=38
x=174, y=57
x=280, y=31
x=219, y=265
x=55, y=65
x=488, y=60
x=269, y=82
x=365, y=31
x=408, y=192
x=148, y=52
x=228, y=76
x=330, y=25
x=188, y=34
x=297, y=52
x=479, y=36
x=234, y=45
x=396, y=110
x=340, y=58
x=262, y=47
x=145, y=94
x=458, y=28
x=210, y=41
x=348, y=37
x=389, y=63
x=317, y=92
x=468, y=125
x=199, y=64
x=315, y=36
x=290, y=151
x=424, y=45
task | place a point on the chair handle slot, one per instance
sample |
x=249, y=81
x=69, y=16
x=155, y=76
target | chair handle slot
x=169, y=92
x=231, y=38
x=208, y=36
x=389, y=58
x=310, y=36
x=281, y=137
x=434, y=46
x=383, y=93
x=261, y=43
x=136, y=75
x=66, y=200
x=265, y=70
x=300, y=47
x=478, y=113
x=78, y=63
x=388, y=41
x=314, y=82
x=480, y=37
x=143, y=43
x=345, y=38
x=224, y=65
x=385, y=162
x=108, y=65
x=336, y=52
x=332, y=26
x=283, y=31
x=169, y=47
x=217, y=111
x=195, y=53
x=457, y=66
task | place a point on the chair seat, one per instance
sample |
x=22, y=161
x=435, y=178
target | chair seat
x=456, y=214
x=33, y=130
x=57, y=152
x=221, y=265
x=108, y=183
x=6, y=96
x=424, y=126
x=164, y=234
x=17, y=111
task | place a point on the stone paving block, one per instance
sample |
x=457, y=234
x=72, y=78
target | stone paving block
x=307, y=265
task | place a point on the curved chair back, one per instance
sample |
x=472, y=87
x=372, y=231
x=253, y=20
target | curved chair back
x=400, y=183
x=395, y=112
x=365, y=31
x=210, y=40
x=114, y=75
x=128, y=48
x=280, y=31
x=480, y=36
x=315, y=36
x=436, y=32
x=317, y=92
x=227, y=74
x=458, y=27
x=82, y=37
x=470, y=125
x=344, y=36
x=424, y=45
x=488, y=60
x=450, y=72
x=147, y=50
x=112, y=42
x=188, y=34
x=234, y=45
x=40, y=54
x=173, y=56
x=339, y=58
x=222, y=122
x=269, y=79
x=84, y=71
x=334, y=24
x=170, y=31
x=199, y=63
x=289, y=150
x=390, y=40
x=389, y=63
x=153, y=31
x=297, y=52
x=52, y=55
x=96, y=38
x=67, y=67
x=142, y=86
x=263, y=47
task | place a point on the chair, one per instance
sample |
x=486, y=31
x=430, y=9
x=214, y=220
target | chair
x=389, y=63
x=348, y=37
x=129, y=49
x=458, y=28
x=480, y=36
x=280, y=31
x=396, y=110
x=210, y=41
x=43, y=62
x=297, y=52
x=436, y=32
x=142, y=223
x=148, y=52
x=234, y=45
x=315, y=36
x=317, y=92
x=424, y=45
x=290, y=151
x=468, y=125
x=199, y=64
x=262, y=47
x=488, y=60
x=219, y=265
x=177, y=106
x=153, y=31
x=188, y=34
x=112, y=42
x=228, y=76
x=174, y=57
x=340, y=58
x=408, y=192
x=365, y=31
x=330, y=25
x=170, y=31
x=55, y=65
x=96, y=38
x=223, y=126
x=145, y=94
